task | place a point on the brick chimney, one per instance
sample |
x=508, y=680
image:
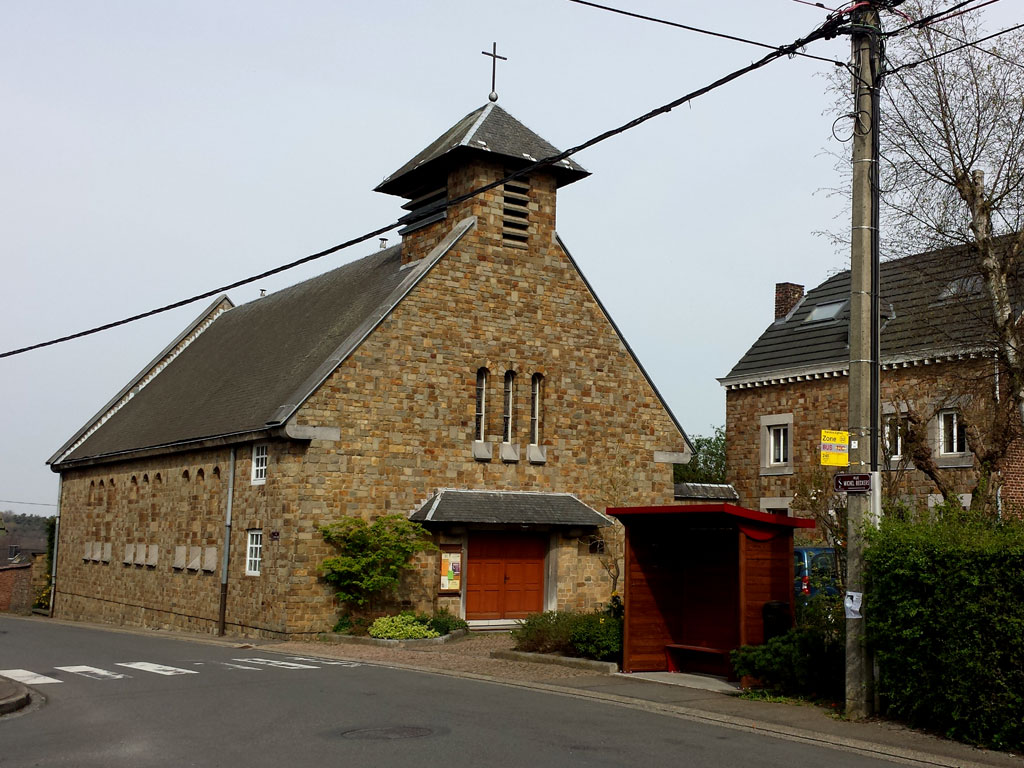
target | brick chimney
x=786, y=297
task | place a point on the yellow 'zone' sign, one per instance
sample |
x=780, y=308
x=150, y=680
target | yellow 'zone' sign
x=835, y=448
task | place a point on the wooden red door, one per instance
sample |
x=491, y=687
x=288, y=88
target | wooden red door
x=505, y=575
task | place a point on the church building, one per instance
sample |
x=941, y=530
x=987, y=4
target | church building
x=467, y=377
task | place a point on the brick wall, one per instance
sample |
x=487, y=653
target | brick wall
x=16, y=588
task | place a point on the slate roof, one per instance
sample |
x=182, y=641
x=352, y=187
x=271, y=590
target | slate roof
x=509, y=507
x=714, y=491
x=252, y=365
x=488, y=129
x=931, y=304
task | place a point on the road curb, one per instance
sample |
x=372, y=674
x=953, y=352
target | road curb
x=409, y=645
x=600, y=667
x=13, y=696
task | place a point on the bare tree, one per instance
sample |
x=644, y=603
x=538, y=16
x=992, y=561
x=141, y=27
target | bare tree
x=952, y=174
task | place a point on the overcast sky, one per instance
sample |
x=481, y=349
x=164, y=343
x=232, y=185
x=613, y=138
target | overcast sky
x=152, y=151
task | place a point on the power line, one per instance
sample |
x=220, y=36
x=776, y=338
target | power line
x=698, y=30
x=973, y=43
x=932, y=17
x=825, y=30
x=30, y=503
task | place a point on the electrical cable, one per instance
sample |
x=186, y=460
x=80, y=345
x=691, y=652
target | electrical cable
x=930, y=18
x=698, y=30
x=29, y=503
x=993, y=54
x=970, y=44
x=826, y=30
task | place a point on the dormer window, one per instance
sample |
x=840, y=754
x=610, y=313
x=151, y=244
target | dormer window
x=515, y=221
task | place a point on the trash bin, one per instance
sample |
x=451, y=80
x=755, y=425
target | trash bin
x=777, y=619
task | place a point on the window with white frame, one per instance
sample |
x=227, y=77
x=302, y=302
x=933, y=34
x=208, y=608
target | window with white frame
x=536, y=392
x=777, y=444
x=895, y=433
x=952, y=433
x=508, y=426
x=259, y=463
x=253, y=552
x=480, y=428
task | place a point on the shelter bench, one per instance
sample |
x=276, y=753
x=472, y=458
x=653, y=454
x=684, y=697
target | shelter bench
x=672, y=648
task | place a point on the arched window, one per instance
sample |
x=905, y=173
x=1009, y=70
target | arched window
x=184, y=475
x=508, y=426
x=480, y=430
x=536, y=393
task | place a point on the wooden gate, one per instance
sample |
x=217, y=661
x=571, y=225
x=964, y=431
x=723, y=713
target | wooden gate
x=505, y=575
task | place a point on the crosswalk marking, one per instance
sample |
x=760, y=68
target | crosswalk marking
x=253, y=664
x=277, y=663
x=325, y=662
x=158, y=669
x=27, y=677
x=93, y=672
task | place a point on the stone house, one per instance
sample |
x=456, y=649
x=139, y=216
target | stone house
x=939, y=386
x=467, y=377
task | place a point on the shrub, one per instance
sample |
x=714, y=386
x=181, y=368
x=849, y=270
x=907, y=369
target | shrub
x=444, y=622
x=809, y=660
x=946, y=621
x=371, y=557
x=588, y=635
x=404, y=626
x=596, y=636
x=546, y=632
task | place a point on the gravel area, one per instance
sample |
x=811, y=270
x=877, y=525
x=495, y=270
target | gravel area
x=470, y=654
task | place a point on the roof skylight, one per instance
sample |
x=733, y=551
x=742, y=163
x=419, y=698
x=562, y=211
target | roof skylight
x=827, y=311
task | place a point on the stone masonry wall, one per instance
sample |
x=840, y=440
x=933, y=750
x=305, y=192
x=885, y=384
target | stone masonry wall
x=404, y=402
x=151, y=502
x=822, y=404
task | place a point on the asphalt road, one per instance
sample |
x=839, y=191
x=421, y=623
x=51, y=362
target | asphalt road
x=120, y=699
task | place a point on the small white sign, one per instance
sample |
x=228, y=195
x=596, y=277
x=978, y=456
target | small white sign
x=853, y=602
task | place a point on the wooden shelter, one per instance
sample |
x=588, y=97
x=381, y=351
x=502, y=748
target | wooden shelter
x=697, y=580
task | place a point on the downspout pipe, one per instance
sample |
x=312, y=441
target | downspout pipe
x=227, y=547
x=56, y=547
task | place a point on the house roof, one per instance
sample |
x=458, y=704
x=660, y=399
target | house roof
x=255, y=364
x=508, y=507
x=489, y=129
x=722, y=509
x=712, y=491
x=932, y=305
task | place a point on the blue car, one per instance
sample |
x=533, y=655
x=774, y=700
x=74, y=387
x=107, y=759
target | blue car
x=814, y=569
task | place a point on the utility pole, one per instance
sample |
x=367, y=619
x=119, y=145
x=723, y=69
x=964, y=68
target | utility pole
x=864, y=353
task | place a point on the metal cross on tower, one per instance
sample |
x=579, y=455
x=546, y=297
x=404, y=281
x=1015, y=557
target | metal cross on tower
x=494, y=68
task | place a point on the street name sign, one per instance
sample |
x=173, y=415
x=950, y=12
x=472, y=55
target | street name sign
x=852, y=483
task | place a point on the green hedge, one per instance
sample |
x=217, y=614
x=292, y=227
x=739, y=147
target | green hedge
x=944, y=605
